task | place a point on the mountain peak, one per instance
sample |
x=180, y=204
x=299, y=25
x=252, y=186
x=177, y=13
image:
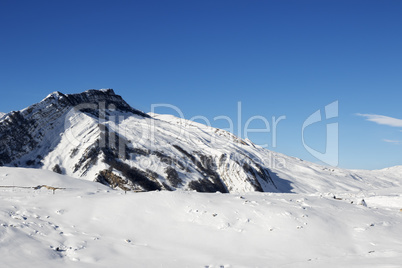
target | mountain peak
x=88, y=93
x=53, y=95
x=109, y=91
x=23, y=131
x=100, y=92
x=91, y=96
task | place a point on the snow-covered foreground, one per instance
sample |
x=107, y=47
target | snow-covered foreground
x=87, y=225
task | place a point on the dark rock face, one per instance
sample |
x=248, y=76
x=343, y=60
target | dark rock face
x=108, y=178
x=173, y=177
x=57, y=169
x=106, y=98
x=15, y=137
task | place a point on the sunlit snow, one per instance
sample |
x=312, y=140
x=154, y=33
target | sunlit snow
x=87, y=224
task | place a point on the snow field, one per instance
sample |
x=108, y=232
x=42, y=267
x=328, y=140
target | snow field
x=87, y=224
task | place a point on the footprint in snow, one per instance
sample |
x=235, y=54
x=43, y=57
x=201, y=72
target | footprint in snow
x=60, y=212
x=19, y=217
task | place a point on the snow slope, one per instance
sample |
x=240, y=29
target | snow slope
x=87, y=225
x=96, y=135
x=309, y=215
x=291, y=174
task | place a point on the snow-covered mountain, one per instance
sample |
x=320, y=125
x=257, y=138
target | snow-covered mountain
x=96, y=135
x=1, y=114
x=334, y=217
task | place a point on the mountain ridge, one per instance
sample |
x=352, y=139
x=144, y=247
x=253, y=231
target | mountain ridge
x=40, y=135
x=97, y=136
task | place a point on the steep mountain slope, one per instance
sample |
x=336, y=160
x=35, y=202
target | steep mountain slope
x=291, y=174
x=97, y=136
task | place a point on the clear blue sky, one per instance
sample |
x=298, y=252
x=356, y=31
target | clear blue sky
x=277, y=57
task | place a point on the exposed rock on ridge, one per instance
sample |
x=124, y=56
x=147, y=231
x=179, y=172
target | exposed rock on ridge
x=96, y=135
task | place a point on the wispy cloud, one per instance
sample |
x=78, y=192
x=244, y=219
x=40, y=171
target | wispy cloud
x=382, y=120
x=393, y=141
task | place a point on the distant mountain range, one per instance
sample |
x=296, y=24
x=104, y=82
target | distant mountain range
x=96, y=135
